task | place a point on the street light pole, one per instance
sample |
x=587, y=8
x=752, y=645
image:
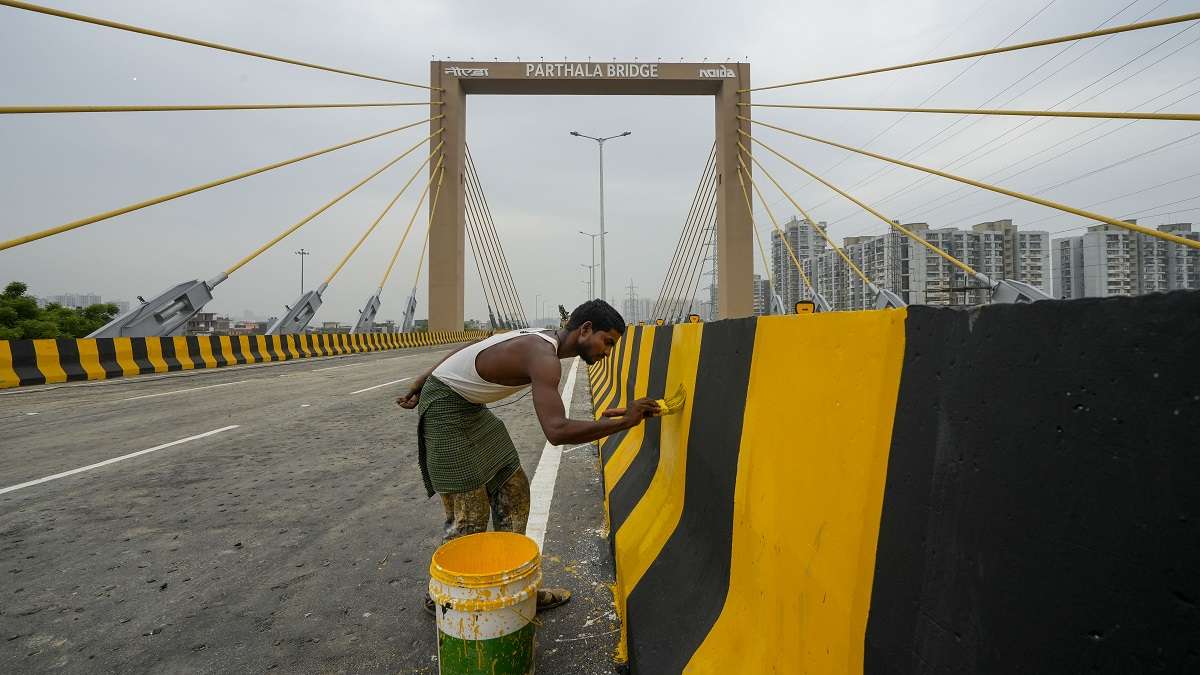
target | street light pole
x=302, y=253
x=603, y=266
x=593, y=236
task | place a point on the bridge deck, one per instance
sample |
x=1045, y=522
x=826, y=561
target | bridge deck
x=298, y=540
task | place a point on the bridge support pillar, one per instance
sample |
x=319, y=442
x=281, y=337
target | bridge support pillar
x=735, y=238
x=447, y=237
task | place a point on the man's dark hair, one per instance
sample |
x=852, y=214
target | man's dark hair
x=600, y=313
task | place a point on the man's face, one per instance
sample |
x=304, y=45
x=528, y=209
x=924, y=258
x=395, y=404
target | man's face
x=594, y=344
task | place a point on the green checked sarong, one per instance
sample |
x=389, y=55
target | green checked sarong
x=461, y=445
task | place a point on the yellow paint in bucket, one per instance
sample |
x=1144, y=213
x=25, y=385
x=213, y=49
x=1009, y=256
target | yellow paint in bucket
x=485, y=588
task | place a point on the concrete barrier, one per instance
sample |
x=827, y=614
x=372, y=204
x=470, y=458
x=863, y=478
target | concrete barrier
x=1010, y=488
x=29, y=362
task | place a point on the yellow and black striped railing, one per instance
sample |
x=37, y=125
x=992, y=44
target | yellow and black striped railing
x=29, y=362
x=1006, y=489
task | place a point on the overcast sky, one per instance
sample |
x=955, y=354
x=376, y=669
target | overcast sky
x=541, y=182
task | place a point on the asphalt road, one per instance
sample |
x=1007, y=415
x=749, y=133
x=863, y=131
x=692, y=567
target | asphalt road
x=275, y=520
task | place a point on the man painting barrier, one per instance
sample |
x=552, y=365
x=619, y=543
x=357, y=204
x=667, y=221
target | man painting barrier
x=465, y=452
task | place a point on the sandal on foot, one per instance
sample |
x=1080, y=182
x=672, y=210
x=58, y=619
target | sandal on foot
x=429, y=607
x=549, y=598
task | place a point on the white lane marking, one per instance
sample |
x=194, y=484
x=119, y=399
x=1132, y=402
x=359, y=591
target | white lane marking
x=349, y=365
x=181, y=391
x=115, y=459
x=305, y=405
x=541, y=488
x=380, y=385
x=33, y=413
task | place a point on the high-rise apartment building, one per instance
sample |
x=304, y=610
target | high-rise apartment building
x=1108, y=260
x=806, y=244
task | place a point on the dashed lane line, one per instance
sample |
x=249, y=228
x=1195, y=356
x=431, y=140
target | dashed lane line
x=180, y=391
x=403, y=379
x=114, y=460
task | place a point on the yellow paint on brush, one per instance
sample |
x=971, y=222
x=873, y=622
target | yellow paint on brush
x=123, y=348
x=8, y=375
x=181, y=353
x=809, y=494
x=624, y=454
x=651, y=522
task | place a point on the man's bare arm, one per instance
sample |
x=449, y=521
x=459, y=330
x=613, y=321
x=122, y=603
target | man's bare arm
x=409, y=400
x=545, y=370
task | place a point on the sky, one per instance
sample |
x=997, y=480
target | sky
x=541, y=183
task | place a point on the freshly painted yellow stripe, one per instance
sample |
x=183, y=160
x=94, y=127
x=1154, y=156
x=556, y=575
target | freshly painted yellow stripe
x=809, y=494
x=123, y=348
x=625, y=453
x=652, y=521
x=181, y=353
x=154, y=354
x=89, y=359
x=606, y=401
x=244, y=341
x=8, y=375
x=205, y=345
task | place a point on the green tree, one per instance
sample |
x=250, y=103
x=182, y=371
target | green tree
x=21, y=318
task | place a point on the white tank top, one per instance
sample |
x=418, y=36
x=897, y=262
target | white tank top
x=459, y=373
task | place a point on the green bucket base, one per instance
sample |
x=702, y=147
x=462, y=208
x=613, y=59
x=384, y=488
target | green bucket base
x=510, y=654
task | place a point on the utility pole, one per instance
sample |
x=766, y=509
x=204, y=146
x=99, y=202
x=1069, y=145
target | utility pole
x=633, y=308
x=302, y=253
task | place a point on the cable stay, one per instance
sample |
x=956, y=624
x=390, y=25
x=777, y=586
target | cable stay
x=701, y=187
x=301, y=312
x=508, y=305
x=882, y=297
x=986, y=186
x=366, y=315
x=1193, y=16
x=1134, y=115
x=774, y=302
x=822, y=305
x=59, y=109
x=673, y=298
x=15, y=4
x=1002, y=290
x=705, y=189
x=410, y=309
x=75, y=224
x=169, y=311
x=500, y=312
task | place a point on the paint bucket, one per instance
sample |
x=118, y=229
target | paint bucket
x=485, y=588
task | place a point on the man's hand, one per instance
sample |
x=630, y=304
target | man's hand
x=409, y=400
x=638, y=411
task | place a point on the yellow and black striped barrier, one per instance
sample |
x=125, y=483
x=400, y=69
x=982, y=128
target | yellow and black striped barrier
x=29, y=362
x=1010, y=488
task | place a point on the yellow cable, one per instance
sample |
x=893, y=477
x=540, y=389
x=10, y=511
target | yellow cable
x=1184, y=117
x=278, y=238
x=998, y=50
x=192, y=190
x=416, y=209
x=45, y=109
x=909, y=233
x=383, y=213
x=775, y=224
x=995, y=188
x=193, y=41
x=432, y=212
x=762, y=251
x=820, y=230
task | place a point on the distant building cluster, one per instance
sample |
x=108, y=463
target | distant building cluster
x=81, y=300
x=209, y=323
x=1108, y=260
x=1105, y=261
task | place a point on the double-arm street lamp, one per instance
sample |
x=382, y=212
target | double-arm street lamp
x=600, y=143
